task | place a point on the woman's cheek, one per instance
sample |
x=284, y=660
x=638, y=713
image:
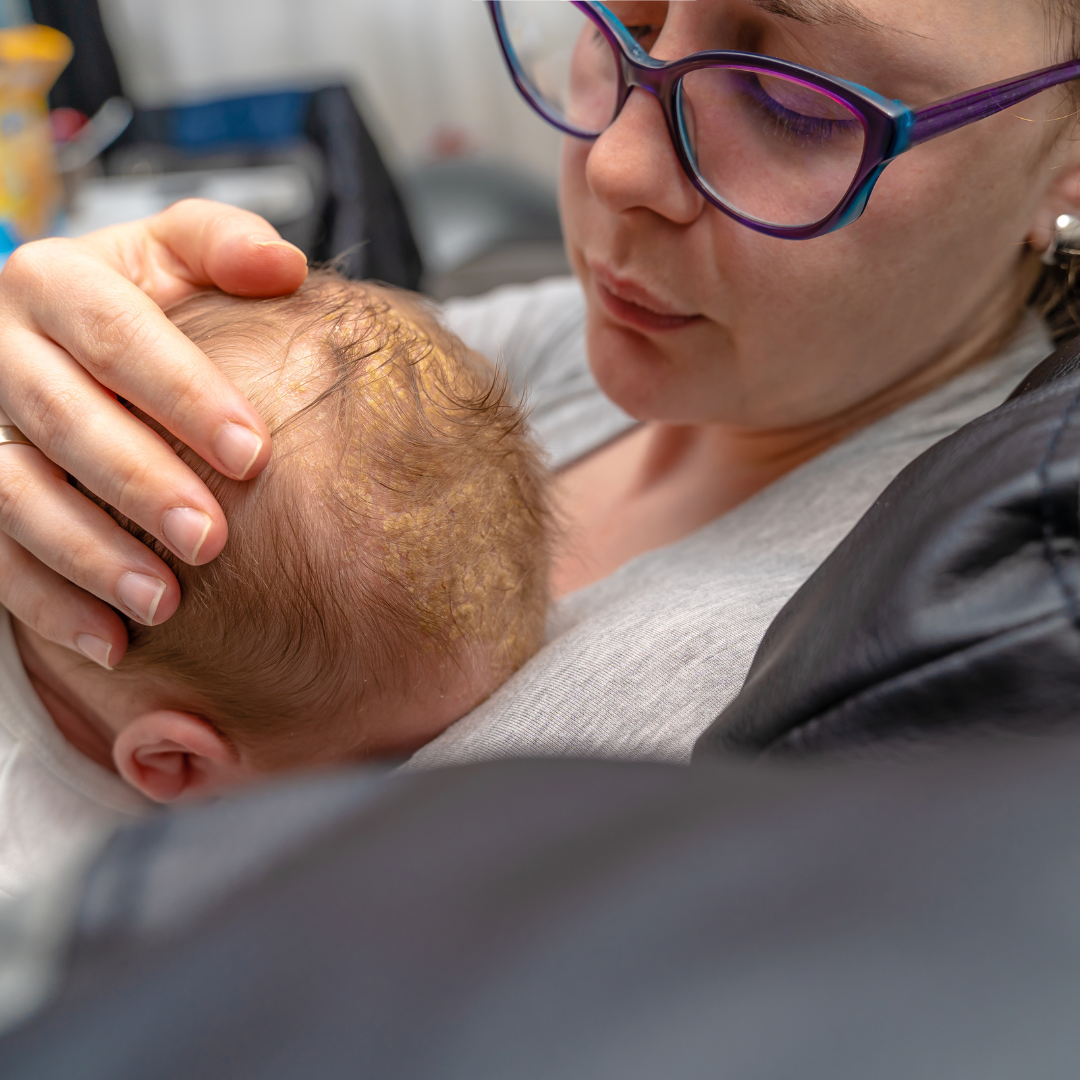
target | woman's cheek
x=576, y=207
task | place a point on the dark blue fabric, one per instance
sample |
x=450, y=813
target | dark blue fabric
x=258, y=120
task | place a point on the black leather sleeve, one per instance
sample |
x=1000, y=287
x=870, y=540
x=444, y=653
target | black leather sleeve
x=953, y=604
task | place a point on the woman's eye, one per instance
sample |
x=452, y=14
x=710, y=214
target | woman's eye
x=811, y=116
x=645, y=34
x=644, y=19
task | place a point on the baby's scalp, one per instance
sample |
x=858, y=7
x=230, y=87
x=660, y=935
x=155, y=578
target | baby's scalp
x=443, y=490
x=398, y=537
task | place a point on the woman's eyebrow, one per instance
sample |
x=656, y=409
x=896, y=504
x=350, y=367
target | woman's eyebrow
x=823, y=13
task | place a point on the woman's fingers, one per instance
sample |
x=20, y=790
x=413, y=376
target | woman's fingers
x=80, y=318
x=113, y=331
x=74, y=538
x=100, y=300
x=234, y=250
x=87, y=432
x=45, y=514
x=197, y=244
x=58, y=610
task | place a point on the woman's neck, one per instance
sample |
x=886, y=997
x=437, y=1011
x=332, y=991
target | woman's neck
x=661, y=481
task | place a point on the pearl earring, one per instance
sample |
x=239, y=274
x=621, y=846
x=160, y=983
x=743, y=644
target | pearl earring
x=1065, y=241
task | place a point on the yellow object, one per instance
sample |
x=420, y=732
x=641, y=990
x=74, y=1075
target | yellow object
x=31, y=59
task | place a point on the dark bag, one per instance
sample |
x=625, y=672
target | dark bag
x=361, y=222
x=92, y=77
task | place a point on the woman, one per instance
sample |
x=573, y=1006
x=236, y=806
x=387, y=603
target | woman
x=752, y=394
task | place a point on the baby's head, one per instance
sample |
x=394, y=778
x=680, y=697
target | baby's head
x=383, y=575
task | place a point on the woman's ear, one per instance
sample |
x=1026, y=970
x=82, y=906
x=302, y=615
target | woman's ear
x=1062, y=197
x=171, y=755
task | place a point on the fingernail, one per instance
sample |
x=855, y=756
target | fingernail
x=275, y=243
x=141, y=594
x=186, y=528
x=95, y=648
x=237, y=447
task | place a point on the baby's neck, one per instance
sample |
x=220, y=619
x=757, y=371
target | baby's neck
x=76, y=699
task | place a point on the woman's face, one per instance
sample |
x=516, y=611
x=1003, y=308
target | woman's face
x=693, y=317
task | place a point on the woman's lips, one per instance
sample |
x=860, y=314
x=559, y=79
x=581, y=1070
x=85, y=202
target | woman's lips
x=630, y=303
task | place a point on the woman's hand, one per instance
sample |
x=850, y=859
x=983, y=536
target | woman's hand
x=80, y=322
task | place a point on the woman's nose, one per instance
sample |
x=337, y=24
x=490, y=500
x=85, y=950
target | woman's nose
x=633, y=165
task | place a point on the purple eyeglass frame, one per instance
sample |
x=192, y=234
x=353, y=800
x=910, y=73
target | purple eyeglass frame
x=891, y=126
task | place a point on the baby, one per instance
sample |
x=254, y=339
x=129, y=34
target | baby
x=383, y=576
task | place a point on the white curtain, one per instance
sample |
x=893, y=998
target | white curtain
x=428, y=73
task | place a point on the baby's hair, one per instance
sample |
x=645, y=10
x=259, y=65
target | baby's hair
x=399, y=530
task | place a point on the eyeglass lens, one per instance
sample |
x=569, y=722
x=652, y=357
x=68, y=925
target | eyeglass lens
x=769, y=147
x=567, y=63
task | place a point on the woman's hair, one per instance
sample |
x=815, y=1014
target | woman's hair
x=1057, y=295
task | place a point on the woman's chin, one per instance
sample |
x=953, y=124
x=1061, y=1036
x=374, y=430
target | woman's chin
x=648, y=382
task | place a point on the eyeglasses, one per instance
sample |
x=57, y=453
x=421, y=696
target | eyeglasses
x=781, y=148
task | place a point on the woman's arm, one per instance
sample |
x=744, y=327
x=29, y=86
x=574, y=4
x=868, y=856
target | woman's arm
x=81, y=321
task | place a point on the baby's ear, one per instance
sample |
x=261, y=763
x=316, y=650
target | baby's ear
x=171, y=755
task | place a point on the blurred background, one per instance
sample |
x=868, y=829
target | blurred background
x=427, y=73
x=396, y=113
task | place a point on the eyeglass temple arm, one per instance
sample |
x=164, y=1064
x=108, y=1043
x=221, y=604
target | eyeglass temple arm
x=945, y=116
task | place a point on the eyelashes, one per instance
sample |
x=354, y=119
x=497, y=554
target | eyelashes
x=645, y=34
x=789, y=122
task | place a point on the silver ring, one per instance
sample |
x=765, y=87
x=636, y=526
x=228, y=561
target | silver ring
x=11, y=434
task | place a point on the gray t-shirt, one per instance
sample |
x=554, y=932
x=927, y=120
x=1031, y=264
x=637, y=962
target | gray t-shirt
x=639, y=664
